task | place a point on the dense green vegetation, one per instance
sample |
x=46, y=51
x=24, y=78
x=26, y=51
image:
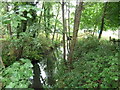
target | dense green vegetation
x=17, y=74
x=58, y=45
x=95, y=65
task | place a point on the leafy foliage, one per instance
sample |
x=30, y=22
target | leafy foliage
x=27, y=30
x=32, y=48
x=112, y=16
x=17, y=74
x=91, y=15
x=96, y=66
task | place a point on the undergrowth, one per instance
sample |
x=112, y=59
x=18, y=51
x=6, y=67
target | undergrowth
x=95, y=66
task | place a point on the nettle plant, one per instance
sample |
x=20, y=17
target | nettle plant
x=17, y=75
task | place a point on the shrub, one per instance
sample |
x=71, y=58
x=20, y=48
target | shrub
x=17, y=74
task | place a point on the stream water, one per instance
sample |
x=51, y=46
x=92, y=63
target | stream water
x=46, y=69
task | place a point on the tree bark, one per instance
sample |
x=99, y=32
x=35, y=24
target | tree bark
x=10, y=29
x=78, y=13
x=94, y=30
x=102, y=21
x=47, y=8
x=64, y=29
x=55, y=23
x=9, y=25
x=24, y=22
x=68, y=46
x=45, y=21
x=50, y=70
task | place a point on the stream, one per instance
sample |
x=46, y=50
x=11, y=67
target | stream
x=44, y=70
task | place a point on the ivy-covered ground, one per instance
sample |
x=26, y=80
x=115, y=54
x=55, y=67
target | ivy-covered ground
x=17, y=75
x=95, y=66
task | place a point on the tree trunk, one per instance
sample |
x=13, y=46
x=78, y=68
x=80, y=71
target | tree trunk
x=78, y=12
x=45, y=22
x=10, y=29
x=40, y=19
x=94, y=30
x=47, y=8
x=102, y=21
x=68, y=46
x=50, y=69
x=64, y=29
x=24, y=22
x=9, y=25
x=23, y=28
x=55, y=23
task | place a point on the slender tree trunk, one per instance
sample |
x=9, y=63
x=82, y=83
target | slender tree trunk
x=10, y=29
x=78, y=13
x=50, y=69
x=68, y=27
x=47, y=8
x=102, y=21
x=55, y=23
x=40, y=19
x=41, y=14
x=48, y=18
x=9, y=25
x=45, y=22
x=24, y=22
x=94, y=30
x=64, y=29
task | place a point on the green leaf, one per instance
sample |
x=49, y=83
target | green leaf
x=7, y=21
x=11, y=85
x=22, y=18
x=29, y=15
